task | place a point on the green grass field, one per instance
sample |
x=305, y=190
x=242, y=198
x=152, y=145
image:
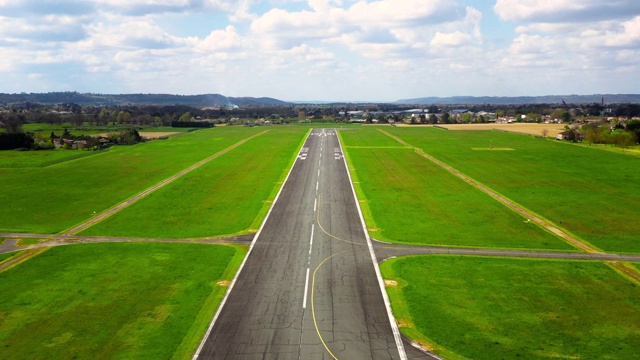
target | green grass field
x=411, y=200
x=223, y=197
x=51, y=199
x=22, y=159
x=113, y=301
x=593, y=194
x=480, y=308
x=58, y=129
x=7, y=256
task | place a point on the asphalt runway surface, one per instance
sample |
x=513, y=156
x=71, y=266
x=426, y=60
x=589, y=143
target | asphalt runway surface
x=309, y=288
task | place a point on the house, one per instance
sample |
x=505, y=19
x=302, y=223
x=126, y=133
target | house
x=570, y=135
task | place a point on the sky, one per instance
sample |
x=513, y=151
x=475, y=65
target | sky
x=321, y=50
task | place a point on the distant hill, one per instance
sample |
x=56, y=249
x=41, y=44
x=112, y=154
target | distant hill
x=547, y=99
x=139, y=99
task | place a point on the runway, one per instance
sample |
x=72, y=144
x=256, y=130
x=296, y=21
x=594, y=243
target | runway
x=308, y=288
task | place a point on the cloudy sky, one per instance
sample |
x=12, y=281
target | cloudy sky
x=349, y=50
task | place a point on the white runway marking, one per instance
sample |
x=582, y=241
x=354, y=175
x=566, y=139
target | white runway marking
x=306, y=282
x=306, y=290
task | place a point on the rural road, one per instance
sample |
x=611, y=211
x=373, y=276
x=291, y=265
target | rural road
x=308, y=288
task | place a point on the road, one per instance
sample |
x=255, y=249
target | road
x=308, y=288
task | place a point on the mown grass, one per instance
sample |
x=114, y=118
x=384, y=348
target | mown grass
x=20, y=159
x=593, y=194
x=51, y=199
x=7, y=256
x=112, y=301
x=411, y=200
x=223, y=197
x=480, y=308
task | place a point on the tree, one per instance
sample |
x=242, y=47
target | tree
x=145, y=119
x=446, y=118
x=369, y=118
x=621, y=138
x=558, y=114
x=53, y=118
x=12, y=123
x=124, y=117
x=634, y=127
x=433, y=119
x=566, y=117
x=77, y=120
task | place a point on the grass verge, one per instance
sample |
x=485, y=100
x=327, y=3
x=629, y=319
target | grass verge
x=222, y=197
x=75, y=190
x=481, y=308
x=6, y=256
x=411, y=200
x=590, y=193
x=112, y=301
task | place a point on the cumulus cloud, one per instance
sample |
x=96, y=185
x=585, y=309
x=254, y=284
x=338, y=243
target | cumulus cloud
x=48, y=29
x=549, y=11
x=244, y=45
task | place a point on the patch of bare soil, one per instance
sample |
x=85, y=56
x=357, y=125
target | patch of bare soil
x=157, y=135
x=224, y=283
x=391, y=283
x=523, y=128
x=146, y=134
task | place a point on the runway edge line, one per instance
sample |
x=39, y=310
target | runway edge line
x=387, y=303
x=233, y=282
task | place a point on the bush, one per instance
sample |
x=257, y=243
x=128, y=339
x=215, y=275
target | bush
x=11, y=141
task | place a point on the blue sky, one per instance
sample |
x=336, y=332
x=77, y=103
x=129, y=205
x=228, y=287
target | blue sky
x=328, y=50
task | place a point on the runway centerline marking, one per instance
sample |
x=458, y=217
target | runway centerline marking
x=306, y=283
x=306, y=289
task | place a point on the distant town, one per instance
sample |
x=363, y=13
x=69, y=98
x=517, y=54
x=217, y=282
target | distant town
x=121, y=116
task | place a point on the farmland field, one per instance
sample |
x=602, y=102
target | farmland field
x=222, y=197
x=593, y=194
x=523, y=128
x=411, y=200
x=483, y=308
x=113, y=301
x=51, y=199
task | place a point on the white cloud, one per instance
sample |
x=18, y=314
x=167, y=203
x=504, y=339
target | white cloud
x=451, y=39
x=295, y=49
x=549, y=11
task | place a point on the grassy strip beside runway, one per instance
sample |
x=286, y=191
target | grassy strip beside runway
x=7, y=256
x=51, y=199
x=593, y=194
x=411, y=200
x=481, y=308
x=134, y=301
x=222, y=197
